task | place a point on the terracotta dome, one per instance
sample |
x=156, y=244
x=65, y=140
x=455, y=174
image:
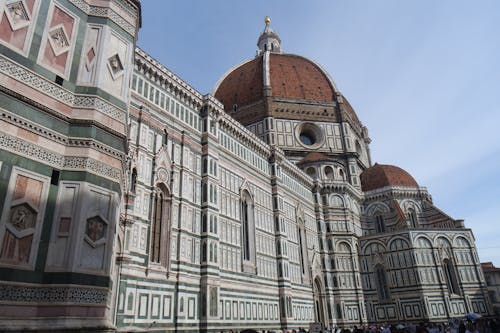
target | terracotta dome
x=282, y=86
x=290, y=76
x=382, y=175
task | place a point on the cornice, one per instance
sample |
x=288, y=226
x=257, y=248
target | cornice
x=396, y=191
x=158, y=73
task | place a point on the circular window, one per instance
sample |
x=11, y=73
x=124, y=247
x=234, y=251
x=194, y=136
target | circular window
x=309, y=135
x=306, y=139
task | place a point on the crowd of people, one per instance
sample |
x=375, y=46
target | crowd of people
x=465, y=325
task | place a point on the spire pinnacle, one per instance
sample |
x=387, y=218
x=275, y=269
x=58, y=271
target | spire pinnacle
x=268, y=39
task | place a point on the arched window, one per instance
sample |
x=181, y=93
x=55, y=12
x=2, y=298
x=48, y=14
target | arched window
x=247, y=232
x=205, y=165
x=329, y=173
x=330, y=244
x=451, y=277
x=165, y=137
x=381, y=279
x=358, y=147
x=211, y=252
x=203, y=222
x=302, y=249
x=339, y=311
x=160, y=227
x=133, y=180
x=204, y=252
x=412, y=217
x=379, y=223
x=204, y=191
x=311, y=172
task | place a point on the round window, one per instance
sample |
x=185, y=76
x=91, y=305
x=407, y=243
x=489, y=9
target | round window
x=306, y=139
x=309, y=135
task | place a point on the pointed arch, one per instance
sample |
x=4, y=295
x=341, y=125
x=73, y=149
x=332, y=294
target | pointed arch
x=337, y=201
x=247, y=230
x=160, y=226
x=319, y=303
x=382, y=285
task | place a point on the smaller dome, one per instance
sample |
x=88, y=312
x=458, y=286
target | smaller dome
x=382, y=175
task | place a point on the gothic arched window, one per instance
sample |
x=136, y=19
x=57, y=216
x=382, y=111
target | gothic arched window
x=379, y=223
x=160, y=227
x=382, y=286
x=412, y=216
x=301, y=253
x=133, y=180
x=451, y=277
x=247, y=232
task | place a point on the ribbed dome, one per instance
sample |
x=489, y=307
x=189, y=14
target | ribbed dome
x=281, y=86
x=290, y=76
x=382, y=175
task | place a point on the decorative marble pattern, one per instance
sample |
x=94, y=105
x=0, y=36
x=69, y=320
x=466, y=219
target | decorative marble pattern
x=96, y=103
x=17, y=15
x=81, y=101
x=49, y=88
x=53, y=295
x=57, y=160
x=104, y=12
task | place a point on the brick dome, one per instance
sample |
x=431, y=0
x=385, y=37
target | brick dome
x=289, y=76
x=382, y=175
x=282, y=86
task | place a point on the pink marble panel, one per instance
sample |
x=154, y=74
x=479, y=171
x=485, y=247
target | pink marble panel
x=58, y=62
x=29, y=189
x=16, y=36
x=64, y=225
x=16, y=250
x=35, y=95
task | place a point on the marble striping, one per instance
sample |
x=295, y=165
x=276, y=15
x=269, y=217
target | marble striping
x=56, y=160
x=104, y=12
x=22, y=294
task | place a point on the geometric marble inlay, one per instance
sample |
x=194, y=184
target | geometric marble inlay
x=22, y=217
x=17, y=15
x=115, y=66
x=58, y=40
x=95, y=230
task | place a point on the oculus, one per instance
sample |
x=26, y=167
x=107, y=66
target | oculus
x=309, y=135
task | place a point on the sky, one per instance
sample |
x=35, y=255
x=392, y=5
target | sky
x=423, y=76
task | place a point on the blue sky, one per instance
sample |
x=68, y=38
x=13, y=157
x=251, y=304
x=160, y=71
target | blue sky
x=423, y=76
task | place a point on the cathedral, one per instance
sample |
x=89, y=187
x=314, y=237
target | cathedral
x=131, y=202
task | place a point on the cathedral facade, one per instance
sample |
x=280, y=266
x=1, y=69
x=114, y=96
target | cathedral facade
x=132, y=202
